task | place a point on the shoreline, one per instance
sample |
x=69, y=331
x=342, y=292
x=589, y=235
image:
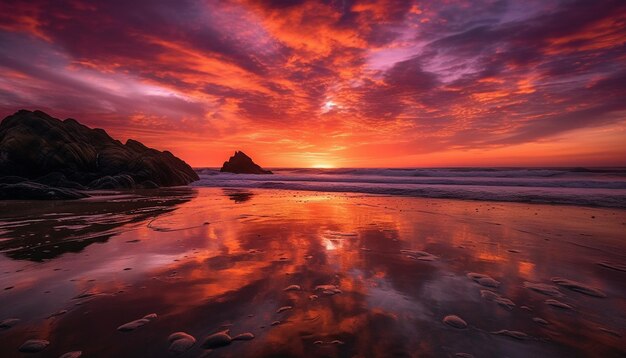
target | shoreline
x=95, y=195
x=424, y=194
x=571, y=187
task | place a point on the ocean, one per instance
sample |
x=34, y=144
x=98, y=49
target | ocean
x=601, y=187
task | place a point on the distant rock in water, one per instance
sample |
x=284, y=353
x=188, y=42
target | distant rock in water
x=39, y=154
x=240, y=163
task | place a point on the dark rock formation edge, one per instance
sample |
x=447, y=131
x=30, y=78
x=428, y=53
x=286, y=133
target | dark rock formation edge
x=42, y=157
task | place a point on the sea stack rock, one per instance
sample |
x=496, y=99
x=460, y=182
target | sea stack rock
x=240, y=163
x=38, y=151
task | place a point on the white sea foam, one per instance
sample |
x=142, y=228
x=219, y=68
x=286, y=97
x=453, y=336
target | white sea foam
x=597, y=187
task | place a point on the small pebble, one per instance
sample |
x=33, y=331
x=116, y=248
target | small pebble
x=455, y=321
x=293, y=288
x=483, y=280
x=559, y=304
x=328, y=290
x=244, y=337
x=8, y=323
x=217, y=340
x=133, y=325
x=513, y=334
x=33, y=346
x=180, y=342
x=283, y=309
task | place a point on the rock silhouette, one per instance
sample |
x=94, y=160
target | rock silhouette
x=240, y=163
x=39, y=152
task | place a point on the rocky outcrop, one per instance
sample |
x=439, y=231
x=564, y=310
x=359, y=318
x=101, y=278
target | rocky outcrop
x=240, y=163
x=52, y=153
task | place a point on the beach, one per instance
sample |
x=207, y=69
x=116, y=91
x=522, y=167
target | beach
x=311, y=273
x=301, y=178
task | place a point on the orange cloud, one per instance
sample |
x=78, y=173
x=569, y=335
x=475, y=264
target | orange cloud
x=308, y=83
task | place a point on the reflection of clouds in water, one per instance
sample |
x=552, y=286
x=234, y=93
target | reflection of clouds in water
x=330, y=244
x=381, y=294
x=334, y=240
x=81, y=223
x=198, y=277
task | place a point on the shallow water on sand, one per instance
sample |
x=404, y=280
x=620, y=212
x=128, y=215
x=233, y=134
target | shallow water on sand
x=287, y=273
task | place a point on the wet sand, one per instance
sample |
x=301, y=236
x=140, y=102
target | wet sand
x=236, y=273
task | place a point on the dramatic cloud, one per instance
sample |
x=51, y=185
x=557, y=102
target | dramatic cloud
x=343, y=83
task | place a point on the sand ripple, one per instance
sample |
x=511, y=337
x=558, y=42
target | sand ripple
x=513, y=334
x=483, y=279
x=578, y=287
x=543, y=288
x=492, y=296
x=559, y=304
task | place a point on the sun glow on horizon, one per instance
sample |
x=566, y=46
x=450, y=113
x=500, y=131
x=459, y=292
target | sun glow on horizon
x=323, y=166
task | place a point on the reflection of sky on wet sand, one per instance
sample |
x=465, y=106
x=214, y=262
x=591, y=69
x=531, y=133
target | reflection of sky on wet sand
x=211, y=262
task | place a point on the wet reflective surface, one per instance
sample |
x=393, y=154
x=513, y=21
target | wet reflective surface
x=311, y=274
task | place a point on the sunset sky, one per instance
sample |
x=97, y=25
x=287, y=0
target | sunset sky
x=330, y=83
